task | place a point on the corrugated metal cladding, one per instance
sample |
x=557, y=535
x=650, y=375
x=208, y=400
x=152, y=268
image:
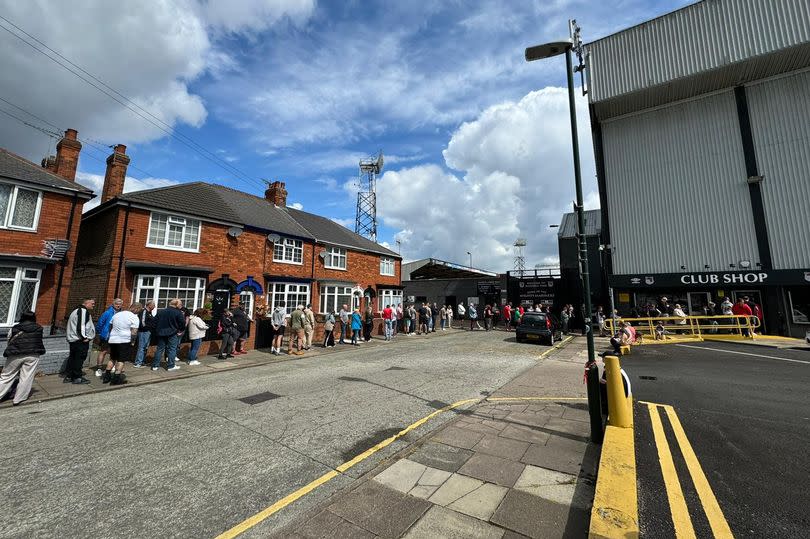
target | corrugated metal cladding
x=593, y=224
x=676, y=189
x=701, y=37
x=780, y=120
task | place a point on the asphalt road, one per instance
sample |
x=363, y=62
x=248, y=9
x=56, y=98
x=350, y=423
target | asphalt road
x=746, y=413
x=187, y=458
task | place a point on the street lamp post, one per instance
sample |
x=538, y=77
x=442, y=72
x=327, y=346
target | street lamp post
x=547, y=50
x=469, y=253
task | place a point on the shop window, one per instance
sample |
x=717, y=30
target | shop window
x=18, y=292
x=19, y=208
x=163, y=288
x=334, y=297
x=292, y=294
x=800, y=305
x=288, y=251
x=173, y=232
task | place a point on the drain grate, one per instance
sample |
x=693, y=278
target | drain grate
x=396, y=369
x=259, y=398
x=648, y=377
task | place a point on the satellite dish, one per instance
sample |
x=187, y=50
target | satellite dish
x=322, y=254
x=234, y=232
x=273, y=238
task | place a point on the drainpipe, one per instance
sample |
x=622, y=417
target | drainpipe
x=62, y=266
x=312, y=271
x=121, y=253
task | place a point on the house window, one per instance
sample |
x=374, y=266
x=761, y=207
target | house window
x=334, y=297
x=18, y=292
x=173, y=232
x=19, y=208
x=389, y=298
x=292, y=294
x=387, y=266
x=163, y=288
x=335, y=258
x=289, y=251
x=246, y=302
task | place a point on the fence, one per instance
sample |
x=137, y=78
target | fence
x=668, y=329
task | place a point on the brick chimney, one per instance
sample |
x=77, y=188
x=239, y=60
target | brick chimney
x=67, y=156
x=277, y=194
x=116, y=173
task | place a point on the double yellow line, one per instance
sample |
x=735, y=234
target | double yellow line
x=677, y=503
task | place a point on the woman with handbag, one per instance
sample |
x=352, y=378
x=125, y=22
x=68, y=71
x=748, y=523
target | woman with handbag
x=22, y=356
x=328, y=330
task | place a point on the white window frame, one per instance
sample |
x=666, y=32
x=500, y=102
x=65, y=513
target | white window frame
x=329, y=297
x=385, y=262
x=394, y=295
x=248, y=302
x=159, y=283
x=274, y=297
x=5, y=219
x=334, y=257
x=18, y=279
x=186, y=224
x=289, y=248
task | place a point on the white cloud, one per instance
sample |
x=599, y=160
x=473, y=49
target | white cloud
x=236, y=16
x=296, y=206
x=96, y=183
x=517, y=179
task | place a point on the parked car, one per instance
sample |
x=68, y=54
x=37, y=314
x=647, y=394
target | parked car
x=540, y=327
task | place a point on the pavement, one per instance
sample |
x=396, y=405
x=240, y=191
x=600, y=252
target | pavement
x=721, y=437
x=516, y=465
x=197, y=456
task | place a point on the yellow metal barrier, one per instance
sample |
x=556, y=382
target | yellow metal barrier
x=671, y=329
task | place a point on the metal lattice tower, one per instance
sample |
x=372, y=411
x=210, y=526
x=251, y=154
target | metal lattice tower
x=365, y=222
x=520, y=261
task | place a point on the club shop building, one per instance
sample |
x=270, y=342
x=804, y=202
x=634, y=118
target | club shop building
x=701, y=130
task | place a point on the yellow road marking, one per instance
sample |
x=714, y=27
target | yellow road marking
x=717, y=520
x=615, y=503
x=556, y=347
x=677, y=503
x=249, y=522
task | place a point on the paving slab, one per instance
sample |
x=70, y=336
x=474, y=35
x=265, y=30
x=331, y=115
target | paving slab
x=481, y=502
x=454, y=488
x=402, y=475
x=566, y=460
x=501, y=447
x=530, y=419
x=433, y=477
x=525, y=434
x=492, y=469
x=458, y=437
x=555, y=486
x=328, y=525
x=441, y=456
x=441, y=523
x=380, y=510
x=481, y=428
x=569, y=426
x=423, y=491
x=539, y=518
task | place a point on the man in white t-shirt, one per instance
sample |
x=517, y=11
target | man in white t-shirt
x=123, y=335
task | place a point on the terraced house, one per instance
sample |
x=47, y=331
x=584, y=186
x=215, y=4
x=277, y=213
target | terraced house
x=40, y=212
x=213, y=246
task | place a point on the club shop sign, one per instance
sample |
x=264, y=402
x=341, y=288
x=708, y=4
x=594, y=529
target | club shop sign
x=724, y=278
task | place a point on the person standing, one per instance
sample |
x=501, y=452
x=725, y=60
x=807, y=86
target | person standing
x=368, y=323
x=170, y=324
x=344, y=314
x=449, y=316
x=197, y=329
x=443, y=317
x=22, y=357
x=228, y=331
x=461, y=312
x=423, y=320
x=487, y=317
x=515, y=318
x=277, y=320
x=297, y=323
x=507, y=315
x=146, y=326
x=388, y=320
x=357, y=323
x=398, y=322
x=241, y=321
x=328, y=330
x=473, y=312
x=565, y=318
x=741, y=309
x=103, y=332
x=123, y=335
x=80, y=332
x=434, y=314
x=309, y=326
x=413, y=319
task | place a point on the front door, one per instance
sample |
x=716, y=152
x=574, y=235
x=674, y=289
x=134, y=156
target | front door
x=220, y=302
x=697, y=301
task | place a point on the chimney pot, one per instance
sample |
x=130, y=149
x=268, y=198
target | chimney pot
x=67, y=156
x=116, y=173
x=277, y=194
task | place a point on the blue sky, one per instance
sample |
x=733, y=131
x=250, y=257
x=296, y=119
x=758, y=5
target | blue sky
x=474, y=137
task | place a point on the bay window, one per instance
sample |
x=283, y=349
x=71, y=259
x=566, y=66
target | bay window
x=335, y=258
x=292, y=294
x=173, y=232
x=163, y=288
x=288, y=251
x=19, y=287
x=19, y=208
x=334, y=297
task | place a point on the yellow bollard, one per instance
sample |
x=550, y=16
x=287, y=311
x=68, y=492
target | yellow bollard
x=619, y=411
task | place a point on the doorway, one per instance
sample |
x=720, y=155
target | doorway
x=697, y=302
x=753, y=296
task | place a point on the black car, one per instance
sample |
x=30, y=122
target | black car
x=540, y=327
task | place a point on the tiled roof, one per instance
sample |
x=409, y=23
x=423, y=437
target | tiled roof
x=593, y=224
x=221, y=203
x=14, y=167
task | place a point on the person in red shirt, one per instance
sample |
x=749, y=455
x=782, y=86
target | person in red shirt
x=507, y=315
x=388, y=320
x=741, y=309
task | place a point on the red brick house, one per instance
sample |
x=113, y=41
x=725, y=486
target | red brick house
x=214, y=246
x=40, y=214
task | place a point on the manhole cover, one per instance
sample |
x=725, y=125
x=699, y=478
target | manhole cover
x=259, y=398
x=648, y=377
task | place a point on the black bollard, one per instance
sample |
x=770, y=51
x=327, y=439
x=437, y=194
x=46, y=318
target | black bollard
x=594, y=403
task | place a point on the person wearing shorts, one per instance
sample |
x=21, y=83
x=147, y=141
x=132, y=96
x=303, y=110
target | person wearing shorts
x=122, y=337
